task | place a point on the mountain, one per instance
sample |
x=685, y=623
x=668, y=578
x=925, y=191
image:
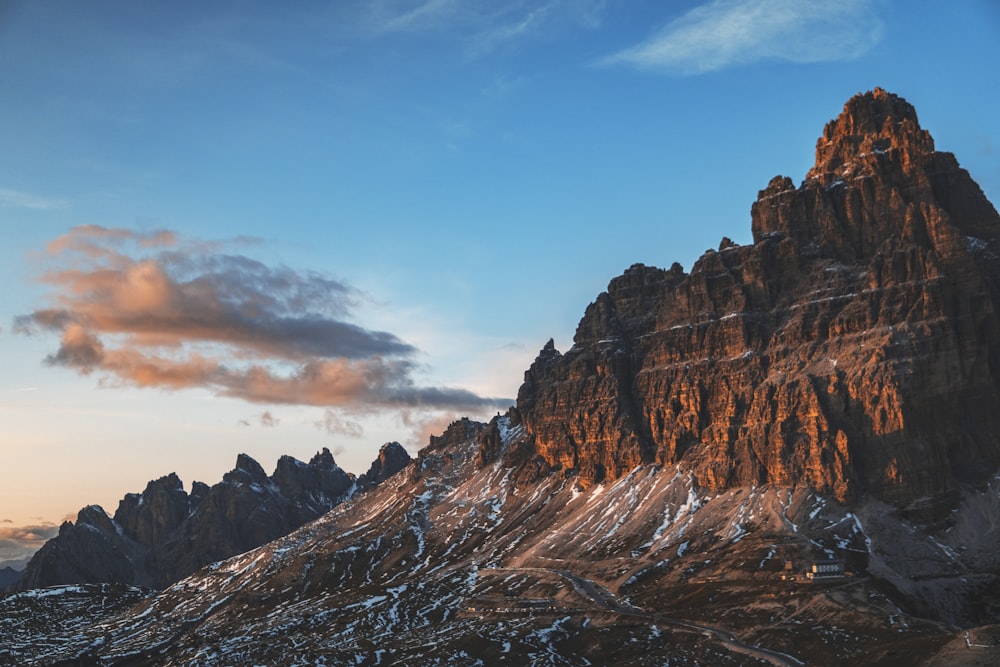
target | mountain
x=853, y=348
x=8, y=576
x=785, y=457
x=451, y=563
x=164, y=533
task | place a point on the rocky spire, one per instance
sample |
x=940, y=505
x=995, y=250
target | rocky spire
x=850, y=349
x=877, y=179
x=391, y=459
x=873, y=128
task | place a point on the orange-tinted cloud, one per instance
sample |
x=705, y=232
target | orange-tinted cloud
x=153, y=310
x=19, y=542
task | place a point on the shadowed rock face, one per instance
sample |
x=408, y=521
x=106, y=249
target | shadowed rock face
x=391, y=459
x=853, y=348
x=164, y=534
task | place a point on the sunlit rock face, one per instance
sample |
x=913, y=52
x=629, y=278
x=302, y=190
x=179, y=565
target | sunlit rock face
x=853, y=348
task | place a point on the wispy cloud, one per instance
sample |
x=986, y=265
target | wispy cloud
x=150, y=309
x=484, y=24
x=265, y=419
x=336, y=424
x=423, y=425
x=19, y=199
x=726, y=33
x=393, y=16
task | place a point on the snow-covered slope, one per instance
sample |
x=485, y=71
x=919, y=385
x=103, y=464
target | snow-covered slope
x=452, y=562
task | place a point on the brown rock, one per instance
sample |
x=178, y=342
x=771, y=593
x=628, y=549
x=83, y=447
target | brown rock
x=853, y=348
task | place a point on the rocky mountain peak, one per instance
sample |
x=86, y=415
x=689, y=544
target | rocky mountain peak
x=94, y=515
x=323, y=459
x=321, y=477
x=877, y=180
x=391, y=459
x=850, y=349
x=247, y=471
x=872, y=125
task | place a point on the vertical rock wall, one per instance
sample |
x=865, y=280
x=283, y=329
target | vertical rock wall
x=853, y=348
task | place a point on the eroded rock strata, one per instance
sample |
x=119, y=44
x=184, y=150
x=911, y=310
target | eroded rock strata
x=853, y=348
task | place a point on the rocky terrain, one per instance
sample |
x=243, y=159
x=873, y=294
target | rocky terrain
x=787, y=456
x=164, y=533
x=449, y=563
x=853, y=348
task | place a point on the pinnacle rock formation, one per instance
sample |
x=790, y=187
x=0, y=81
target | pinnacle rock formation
x=853, y=348
x=164, y=533
x=391, y=459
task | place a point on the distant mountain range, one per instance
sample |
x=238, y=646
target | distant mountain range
x=787, y=456
x=8, y=576
x=163, y=534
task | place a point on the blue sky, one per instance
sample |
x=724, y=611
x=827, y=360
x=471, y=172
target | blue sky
x=358, y=220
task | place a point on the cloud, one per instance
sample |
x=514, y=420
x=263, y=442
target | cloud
x=334, y=424
x=18, y=199
x=485, y=25
x=726, y=33
x=19, y=542
x=265, y=419
x=423, y=425
x=149, y=309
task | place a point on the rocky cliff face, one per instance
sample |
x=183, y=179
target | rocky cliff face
x=391, y=459
x=164, y=533
x=853, y=348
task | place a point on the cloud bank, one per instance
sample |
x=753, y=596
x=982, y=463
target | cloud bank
x=148, y=309
x=726, y=33
x=20, y=542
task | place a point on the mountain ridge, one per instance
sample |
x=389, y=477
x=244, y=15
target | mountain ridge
x=163, y=534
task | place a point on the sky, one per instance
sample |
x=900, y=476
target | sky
x=242, y=227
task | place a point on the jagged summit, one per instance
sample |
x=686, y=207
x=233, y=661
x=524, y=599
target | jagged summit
x=323, y=459
x=247, y=471
x=392, y=458
x=876, y=123
x=162, y=534
x=877, y=178
x=854, y=348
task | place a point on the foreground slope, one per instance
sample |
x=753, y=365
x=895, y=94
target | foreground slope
x=450, y=563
